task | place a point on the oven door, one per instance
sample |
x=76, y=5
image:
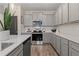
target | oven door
x=37, y=38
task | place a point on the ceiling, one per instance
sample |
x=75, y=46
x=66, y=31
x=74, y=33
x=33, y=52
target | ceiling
x=36, y=6
x=40, y=6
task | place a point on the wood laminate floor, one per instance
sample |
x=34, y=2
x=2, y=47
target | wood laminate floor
x=42, y=50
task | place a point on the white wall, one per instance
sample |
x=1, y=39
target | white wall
x=1, y=16
x=70, y=29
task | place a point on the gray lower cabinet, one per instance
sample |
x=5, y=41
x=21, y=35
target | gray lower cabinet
x=46, y=37
x=58, y=44
x=61, y=45
x=54, y=41
x=17, y=51
x=73, y=49
x=64, y=47
x=23, y=49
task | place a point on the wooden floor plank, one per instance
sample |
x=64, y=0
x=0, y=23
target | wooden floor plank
x=42, y=50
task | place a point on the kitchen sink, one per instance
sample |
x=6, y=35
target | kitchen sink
x=5, y=45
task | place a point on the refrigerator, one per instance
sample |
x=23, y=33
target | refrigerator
x=13, y=29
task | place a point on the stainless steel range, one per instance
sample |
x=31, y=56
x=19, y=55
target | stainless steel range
x=37, y=37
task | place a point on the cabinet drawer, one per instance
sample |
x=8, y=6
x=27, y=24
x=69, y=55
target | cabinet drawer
x=74, y=45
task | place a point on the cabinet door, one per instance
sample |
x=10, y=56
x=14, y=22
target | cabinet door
x=65, y=13
x=59, y=16
x=64, y=50
x=73, y=11
x=73, y=49
x=54, y=41
x=64, y=47
x=46, y=37
x=28, y=20
x=58, y=44
x=73, y=52
x=50, y=20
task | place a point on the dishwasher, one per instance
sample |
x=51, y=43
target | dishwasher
x=27, y=47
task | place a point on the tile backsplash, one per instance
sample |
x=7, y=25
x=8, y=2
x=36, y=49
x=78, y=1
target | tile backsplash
x=71, y=29
x=33, y=28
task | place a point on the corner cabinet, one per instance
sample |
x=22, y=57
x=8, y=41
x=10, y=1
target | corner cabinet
x=73, y=12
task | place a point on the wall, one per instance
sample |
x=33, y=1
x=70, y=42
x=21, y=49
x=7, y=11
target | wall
x=1, y=16
x=70, y=29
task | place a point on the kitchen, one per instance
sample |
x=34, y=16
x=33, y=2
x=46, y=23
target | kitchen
x=45, y=26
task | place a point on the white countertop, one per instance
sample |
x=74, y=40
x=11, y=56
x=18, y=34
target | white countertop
x=21, y=38
x=17, y=40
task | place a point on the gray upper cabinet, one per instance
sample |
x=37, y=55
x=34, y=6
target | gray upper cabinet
x=64, y=47
x=73, y=12
x=27, y=20
x=50, y=20
x=65, y=13
x=73, y=49
x=59, y=16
